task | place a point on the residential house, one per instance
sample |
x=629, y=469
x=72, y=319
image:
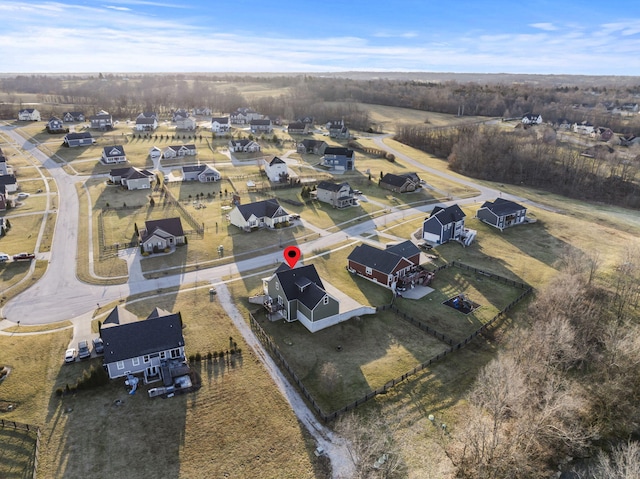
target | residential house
x=78, y=139
x=444, y=224
x=180, y=114
x=146, y=123
x=187, y=123
x=29, y=114
x=531, y=119
x=391, y=267
x=153, y=347
x=174, y=151
x=131, y=178
x=5, y=169
x=9, y=182
x=261, y=126
x=502, y=213
x=159, y=235
x=603, y=133
x=563, y=124
x=261, y=214
x=298, y=128
x=315, y=147
x=244, y=146
x=400, y=183
x=220, y=124
x=338, y=158
x=308, y=120
x=4, y=198
x=113, y=154
x=276, y=170
x=298, y=294
x=337, y=129
x=584, y=128
x=71, y=116
x=203, y=111
x=155, y=152
x=243, y=116
x=629, y=140
x=101, y=120
x=55, y=125
x=203, y=173
x=338, y=195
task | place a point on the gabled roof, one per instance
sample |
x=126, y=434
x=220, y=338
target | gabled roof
x=406, y=249
x=338, y=150
x=113, y=150
x=144, y=120
x=394, y=180
x=384, y=261
x=260, y=209
x=173, y=226
x=223, y=120
x=297, y=125
x=277, y=161
x=179, y=147
x=308, y=143
x=260, y=122
x=502, y=207
x=139, y=338
x=330, y=186
x=136, y=174
x=450, y=214
x=302, y=283
x=8, y=180
x=119, y=315
x=158, y=313
x=27, y=110
x=78, y=136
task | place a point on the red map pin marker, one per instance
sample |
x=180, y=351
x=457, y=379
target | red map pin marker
x=291, y=255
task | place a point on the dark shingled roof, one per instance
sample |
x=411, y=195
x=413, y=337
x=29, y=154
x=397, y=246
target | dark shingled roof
x=260, y=122
x=301, y=283
x=393, y=180
x=8, y=180
x=330, y=186
x=338, y=150
x=384, y=261
x=261, y=209
x=119, y=315
x=406, y=249
x=108, y=150
x=130, y=340
x=450, y=214
x=173, y=226
x=78, y=136
x=276, y=161
x=502, y=207
x=220, y=119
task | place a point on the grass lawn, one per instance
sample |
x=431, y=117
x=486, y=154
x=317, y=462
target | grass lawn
x=17, y=453
x=222, y=428
x=23, y=233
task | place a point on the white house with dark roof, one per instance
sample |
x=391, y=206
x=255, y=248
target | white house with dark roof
x=502, y=213
x=244, y=115
x=276, y=170
x=298, y=128
x=244, y=146
x=220, y=124
x=9, y=182
x=153, y=347
x=174, y=151
x=531, y=119
x=204, y=173
x=159, y=235
x=83, y=138
x=261, y=214
x=71, y=116
x=29, y=114
x=298, y=294
x=262, y=125
x=131, y=178
x=144, y=123
x=113, y=154
x=338, y=195
x=101, y=120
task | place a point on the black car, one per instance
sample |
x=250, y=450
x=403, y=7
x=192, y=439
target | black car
x=83, y=350
x=98, y=346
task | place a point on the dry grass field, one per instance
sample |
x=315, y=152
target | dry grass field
x=215, y=431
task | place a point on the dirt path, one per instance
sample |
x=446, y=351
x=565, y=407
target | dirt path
x=334, y=446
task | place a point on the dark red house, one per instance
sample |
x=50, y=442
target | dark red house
x=388, y=267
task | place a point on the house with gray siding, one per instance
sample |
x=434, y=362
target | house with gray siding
x=502, y=213
x=153, y=347
x=203, y=173
x=101, y=120
x=78, y=139
x=298, y=294
x=338, y=195
x=444, y=224
x=131, y=178
x=113, y=154
x=159, y=235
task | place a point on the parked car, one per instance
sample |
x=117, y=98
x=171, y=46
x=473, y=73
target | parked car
x=98, y=346
x=23, y=256
x=22, y=196
x=294, y=217
x=425, y=246
x=83, y=350
x=4, y=257
x=70, y=355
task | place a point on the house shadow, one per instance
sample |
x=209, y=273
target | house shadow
x=86, y=429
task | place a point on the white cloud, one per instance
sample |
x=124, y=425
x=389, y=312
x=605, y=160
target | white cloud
x=122, y=9
x=549, y=27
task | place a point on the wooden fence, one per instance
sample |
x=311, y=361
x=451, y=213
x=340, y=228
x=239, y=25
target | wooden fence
x=277, y=355
x=26, y=427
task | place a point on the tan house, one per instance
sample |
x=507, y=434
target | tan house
x=159, y=235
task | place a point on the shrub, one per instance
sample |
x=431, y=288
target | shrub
x=59, y=392
x=198, y=357
x=192, y=358
x=390, y=157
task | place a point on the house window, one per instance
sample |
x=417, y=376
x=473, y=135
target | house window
x=120, y=364
x=368, y=270
x=163, y=355
x=136, y=361
x=145, y=358
x=325, y=300
x=175, y=353
x=277, y=286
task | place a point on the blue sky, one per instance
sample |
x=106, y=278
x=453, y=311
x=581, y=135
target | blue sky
x=535, y=36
